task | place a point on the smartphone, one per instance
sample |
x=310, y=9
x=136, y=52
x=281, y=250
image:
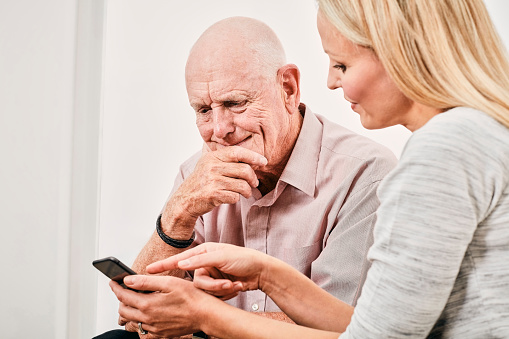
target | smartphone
x=115, y=270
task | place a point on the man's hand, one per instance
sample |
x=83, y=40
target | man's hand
x=171, y=311
x=220, y=177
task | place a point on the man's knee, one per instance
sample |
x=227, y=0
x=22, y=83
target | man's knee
x=118, y=334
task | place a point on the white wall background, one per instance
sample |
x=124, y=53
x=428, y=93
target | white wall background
x=148, y=126
x=50, y=71
x=77, y=185
x=36, y=92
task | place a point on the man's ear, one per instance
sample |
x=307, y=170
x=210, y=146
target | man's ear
x=289, y=77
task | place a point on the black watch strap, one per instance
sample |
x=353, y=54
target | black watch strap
x=170, y=241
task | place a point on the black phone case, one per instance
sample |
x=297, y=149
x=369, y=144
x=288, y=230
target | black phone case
x=115, y=270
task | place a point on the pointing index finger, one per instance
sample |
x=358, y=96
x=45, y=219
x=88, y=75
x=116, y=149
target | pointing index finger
x=171, y=263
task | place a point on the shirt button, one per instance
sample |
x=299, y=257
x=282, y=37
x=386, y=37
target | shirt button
x=254, y=307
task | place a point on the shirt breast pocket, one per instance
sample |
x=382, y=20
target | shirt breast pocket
x=301, y=257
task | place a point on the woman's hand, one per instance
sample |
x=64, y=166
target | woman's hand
x=216, y=283
x=220, y=269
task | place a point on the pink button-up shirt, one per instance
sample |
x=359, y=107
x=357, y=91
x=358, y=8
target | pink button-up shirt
x=320, y=216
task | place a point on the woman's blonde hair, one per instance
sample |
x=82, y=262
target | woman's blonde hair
x=441, y=53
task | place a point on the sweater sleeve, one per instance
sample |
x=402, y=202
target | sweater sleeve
x=426, y=220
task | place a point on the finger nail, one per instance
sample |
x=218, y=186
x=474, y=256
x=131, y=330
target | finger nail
x=184, y=263
x=237, y=286
x=263, y=160
x=226, y=285
x=130, y=280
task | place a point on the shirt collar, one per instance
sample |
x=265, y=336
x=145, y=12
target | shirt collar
x=300, y=171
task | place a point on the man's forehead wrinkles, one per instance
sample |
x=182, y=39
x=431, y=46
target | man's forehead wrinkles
x=199, y=93
x=209, y=97
x=231, y=95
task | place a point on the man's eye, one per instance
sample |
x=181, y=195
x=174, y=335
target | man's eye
x=229, y=104
x=203, y=110
x=341, y=67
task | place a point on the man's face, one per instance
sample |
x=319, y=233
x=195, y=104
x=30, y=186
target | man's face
x=235, y=105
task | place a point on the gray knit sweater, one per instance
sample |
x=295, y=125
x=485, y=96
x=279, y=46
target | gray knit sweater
x=441, y=253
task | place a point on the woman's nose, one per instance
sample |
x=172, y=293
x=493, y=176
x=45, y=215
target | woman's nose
x=333, y=80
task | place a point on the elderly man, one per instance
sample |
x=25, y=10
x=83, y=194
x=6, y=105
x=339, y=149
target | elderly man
x=272, y=175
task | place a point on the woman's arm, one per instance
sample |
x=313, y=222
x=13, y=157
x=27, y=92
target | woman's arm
x=246, y=269
x=179, y=308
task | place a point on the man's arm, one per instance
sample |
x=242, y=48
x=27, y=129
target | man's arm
x=155, y=249
x=219, y=177
x=341, y=267
x=281, y=316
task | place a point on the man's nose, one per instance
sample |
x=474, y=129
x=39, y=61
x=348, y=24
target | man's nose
x=223, y=122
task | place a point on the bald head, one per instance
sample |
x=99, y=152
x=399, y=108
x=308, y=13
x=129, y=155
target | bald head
x=238, y=43
x=244, y=94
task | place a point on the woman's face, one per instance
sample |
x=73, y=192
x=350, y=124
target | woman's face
x=365, y=83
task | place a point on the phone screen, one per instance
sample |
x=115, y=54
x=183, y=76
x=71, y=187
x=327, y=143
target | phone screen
x=115, y=270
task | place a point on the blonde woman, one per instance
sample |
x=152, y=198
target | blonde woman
x=439, y=260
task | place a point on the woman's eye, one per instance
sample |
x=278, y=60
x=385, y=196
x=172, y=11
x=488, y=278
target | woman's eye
x=341, y=67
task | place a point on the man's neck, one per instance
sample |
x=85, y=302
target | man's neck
x=267, y=183
x=268, y=179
